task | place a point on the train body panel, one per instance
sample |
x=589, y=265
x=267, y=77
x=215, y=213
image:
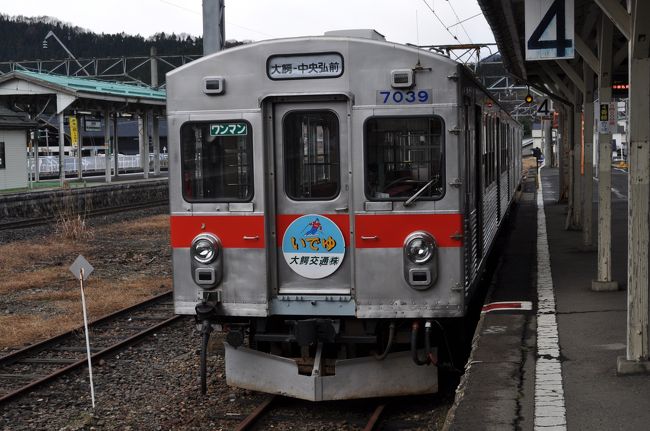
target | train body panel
x=327, y=192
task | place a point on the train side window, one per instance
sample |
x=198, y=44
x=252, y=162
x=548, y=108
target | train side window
x=311, y=155
x=403, y=156
x=217, y=161
x=486, y=152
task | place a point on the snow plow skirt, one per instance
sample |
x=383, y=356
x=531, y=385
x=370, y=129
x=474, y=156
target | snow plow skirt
x=364, y=377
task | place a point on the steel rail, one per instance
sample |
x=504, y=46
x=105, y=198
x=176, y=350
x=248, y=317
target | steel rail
x=374, y=419
x=250, y=420
x=39, y=347
x=82, y=362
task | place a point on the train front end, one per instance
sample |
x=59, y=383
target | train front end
x=316, y=212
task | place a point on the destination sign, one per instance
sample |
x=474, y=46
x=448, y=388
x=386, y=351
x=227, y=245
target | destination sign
x=307, y=66
x=229, y=129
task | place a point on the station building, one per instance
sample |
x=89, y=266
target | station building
x=14, y=133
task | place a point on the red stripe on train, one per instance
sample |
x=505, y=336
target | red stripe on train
x=233, y=231
x=389, y=231
x=373, y=231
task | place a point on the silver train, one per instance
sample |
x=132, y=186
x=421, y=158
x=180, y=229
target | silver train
x=333, y=201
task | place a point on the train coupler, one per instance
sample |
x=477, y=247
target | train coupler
x=310, y=332
x=205, y=311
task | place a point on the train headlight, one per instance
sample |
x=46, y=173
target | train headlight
x=420, y=261
x=205, y=248
x=420, y=247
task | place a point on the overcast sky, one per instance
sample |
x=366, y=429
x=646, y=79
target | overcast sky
x=266, y=19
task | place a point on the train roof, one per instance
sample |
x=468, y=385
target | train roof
x=340, y=37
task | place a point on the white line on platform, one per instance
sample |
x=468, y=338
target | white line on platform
x=550, y=411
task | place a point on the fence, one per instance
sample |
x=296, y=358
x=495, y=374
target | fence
x=49, y=165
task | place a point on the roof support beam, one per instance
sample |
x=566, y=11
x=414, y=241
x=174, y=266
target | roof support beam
x=617, y=14
x=556, y=79
x=512, y=29
x=572, y=74
x=63, y=101
x=591, y=20
x=549, y=91
x=586, y=53
x=620, y=56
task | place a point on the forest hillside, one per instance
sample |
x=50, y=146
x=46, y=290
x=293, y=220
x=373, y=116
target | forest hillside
x=22, y=39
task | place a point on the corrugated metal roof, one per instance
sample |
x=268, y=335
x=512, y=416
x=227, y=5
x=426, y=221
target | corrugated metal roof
x=85, y=85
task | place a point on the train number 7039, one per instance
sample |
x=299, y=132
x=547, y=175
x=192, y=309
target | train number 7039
x=399, y=97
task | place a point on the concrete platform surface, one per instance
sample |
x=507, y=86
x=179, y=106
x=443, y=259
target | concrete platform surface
x=514, y=380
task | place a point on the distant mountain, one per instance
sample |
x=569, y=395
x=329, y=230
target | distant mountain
x=22, y=39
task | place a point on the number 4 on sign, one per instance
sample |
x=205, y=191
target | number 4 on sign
x=543, y=108
x=549, y=29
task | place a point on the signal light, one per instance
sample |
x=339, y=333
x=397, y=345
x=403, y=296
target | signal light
x=528, y=98
x=621, y=87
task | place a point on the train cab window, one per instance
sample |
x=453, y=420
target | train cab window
x=404, y=156
x=311, y=155
x=217, y=161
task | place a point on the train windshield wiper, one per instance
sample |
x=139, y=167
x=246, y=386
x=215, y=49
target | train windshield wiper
x=417, y=194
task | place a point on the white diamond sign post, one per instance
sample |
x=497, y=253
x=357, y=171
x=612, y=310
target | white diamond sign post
x=81, y=270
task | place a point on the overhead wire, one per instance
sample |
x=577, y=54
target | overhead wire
x=440, y=20
x=466, y=19
x=459, y=21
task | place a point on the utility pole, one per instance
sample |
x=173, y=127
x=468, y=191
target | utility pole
x=154, y=67
x=214, y=30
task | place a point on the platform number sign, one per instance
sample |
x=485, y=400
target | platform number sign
x=549, y=29
x=545, y=108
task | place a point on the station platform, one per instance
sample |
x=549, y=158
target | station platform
x=517, y=377
x=46, y=198
x=87, y=181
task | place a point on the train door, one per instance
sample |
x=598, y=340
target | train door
x=311, y=198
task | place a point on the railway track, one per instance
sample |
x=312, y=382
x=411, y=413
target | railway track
x=412, y=413
x=38, y=221
x=28, y=368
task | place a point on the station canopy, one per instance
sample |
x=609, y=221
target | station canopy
x=42, y=93
x=506, y=19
